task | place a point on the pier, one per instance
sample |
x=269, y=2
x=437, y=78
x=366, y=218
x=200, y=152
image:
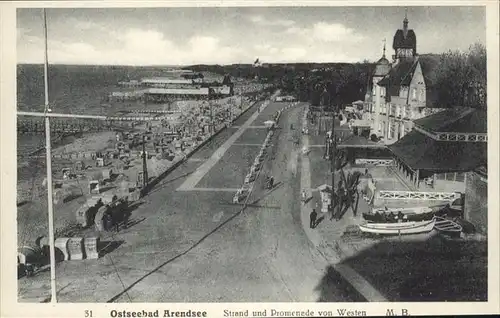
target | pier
x=32, y=122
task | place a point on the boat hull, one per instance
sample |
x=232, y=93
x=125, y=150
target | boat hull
x=411, y=210
x=398, y=228
x=388, y=218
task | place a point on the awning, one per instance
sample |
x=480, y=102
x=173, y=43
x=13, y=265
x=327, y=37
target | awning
x=355, y=141
x=421, y=152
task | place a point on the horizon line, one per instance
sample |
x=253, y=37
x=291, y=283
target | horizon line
x=191, y=65
x=204, y=64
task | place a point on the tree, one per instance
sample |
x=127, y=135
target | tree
x=461, y=78
x=347, y=194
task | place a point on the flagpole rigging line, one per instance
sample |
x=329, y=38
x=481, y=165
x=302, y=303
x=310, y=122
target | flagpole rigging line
x=53, y=289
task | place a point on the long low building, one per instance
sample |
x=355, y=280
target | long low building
x=168, y=82
x=216, y=91
x=156, y=94
x=178, y=91
x=166, y=94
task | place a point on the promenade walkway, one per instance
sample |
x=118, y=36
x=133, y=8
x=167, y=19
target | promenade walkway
x=318, y=238
x=190, y=183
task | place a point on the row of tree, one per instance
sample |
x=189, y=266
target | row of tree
x=333, y=86
x=460, y=78
x=453, y=79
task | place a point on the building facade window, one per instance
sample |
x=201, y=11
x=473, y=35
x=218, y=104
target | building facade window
x=404, y=92
x=414, y=94
x=451, y=176
x=407, y=111
x=422, y=95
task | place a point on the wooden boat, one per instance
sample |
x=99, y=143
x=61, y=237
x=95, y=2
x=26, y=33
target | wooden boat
x=411, y=210
x=394, y=215
x=398, y=228
x=445, y=225
x=395, y=218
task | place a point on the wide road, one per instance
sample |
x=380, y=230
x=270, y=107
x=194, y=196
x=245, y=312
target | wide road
x=192, y=244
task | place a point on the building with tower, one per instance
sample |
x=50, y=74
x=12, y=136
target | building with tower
x=435, y=151
x=397, y=93
x=404, y=42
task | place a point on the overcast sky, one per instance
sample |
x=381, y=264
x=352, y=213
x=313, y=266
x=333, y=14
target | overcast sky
x=181, y=36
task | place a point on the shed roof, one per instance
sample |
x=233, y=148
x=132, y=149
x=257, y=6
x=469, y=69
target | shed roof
x=458, y=119
x=422, y=152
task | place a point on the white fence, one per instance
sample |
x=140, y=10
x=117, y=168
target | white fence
x=415, y=195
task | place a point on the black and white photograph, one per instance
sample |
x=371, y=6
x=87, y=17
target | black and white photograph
x=251, y=154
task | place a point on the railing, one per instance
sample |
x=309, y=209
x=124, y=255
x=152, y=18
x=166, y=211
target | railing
x=415, y=195
x=95, y=117
x=142, y=118
x=155, y=111
x=454, y=136
x=376, y=162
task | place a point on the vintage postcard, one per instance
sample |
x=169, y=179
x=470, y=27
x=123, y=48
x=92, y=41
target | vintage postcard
x=249, y=159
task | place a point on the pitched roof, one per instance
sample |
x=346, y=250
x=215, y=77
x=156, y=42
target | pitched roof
x=408, y=42
x=429, y=64
x=396, y=76
x=408, y=77
x=419, y=151
x=458, y=119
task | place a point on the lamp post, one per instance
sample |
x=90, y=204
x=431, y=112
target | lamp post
x=144, y=163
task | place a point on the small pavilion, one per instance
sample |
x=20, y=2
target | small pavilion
x=449, y=143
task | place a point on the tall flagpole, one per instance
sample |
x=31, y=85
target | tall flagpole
x=53, y=298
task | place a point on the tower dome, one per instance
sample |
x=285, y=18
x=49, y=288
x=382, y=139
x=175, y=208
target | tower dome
x=383, y=66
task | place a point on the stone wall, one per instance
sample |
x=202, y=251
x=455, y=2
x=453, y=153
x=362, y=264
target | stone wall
x=476, y=201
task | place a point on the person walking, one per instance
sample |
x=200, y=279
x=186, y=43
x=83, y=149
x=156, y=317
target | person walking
x=108, y=222
x=313, y=218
